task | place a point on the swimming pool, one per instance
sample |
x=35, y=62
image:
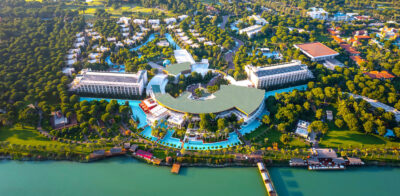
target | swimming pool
x=137, y=112
x=172, y=41
x=170, y=141
x=117, y=68
x=285, y=90
x=232, y=140
x=151, y=38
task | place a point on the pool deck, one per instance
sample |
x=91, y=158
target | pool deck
x=170, y=141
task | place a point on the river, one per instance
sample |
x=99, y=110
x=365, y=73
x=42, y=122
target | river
x=127, y=176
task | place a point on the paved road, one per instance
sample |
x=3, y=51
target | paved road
x=155, y=65
x=229, y=56
x=224, y=21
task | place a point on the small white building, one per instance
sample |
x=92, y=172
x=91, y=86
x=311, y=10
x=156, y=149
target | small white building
x=94, y=55
x=139, y=21
x=111, y=39
x=124, y=20
x=182, y=17
x=258, y=19
x=170, y=21
x=176, y=120
x=318, y=13
x=79, y=44
x=74, y=51
x=302, y=128
x=251, y=31
x=70, y=62
x=102, y=49
x=183, y=56
x=154, y=21
x=68, y=71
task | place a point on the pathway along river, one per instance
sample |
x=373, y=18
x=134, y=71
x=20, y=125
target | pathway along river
x=126, y=176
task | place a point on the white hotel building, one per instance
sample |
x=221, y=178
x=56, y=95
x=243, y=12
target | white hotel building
x=251, y=31
x=262, y=77
x=109, y=82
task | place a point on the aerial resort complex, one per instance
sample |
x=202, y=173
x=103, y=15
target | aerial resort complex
x=308, y=86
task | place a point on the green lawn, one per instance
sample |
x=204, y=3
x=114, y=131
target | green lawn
x=30, y=136
x=273, y=136
x=345, y=138
x=130, y=8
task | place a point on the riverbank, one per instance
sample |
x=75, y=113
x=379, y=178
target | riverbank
x=228, y=162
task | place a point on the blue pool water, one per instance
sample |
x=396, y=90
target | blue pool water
x=232, y=140
x=147, y=134
x=172, y=41
x=151, y=38
x=284, y=90
x=268, y=54
x=115, y=67
x=170, y=141
x=233, y=27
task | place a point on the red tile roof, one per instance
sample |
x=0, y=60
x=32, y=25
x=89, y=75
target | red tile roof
x=316, y=49
x=144, y=154
x=362, y=37
x=379, y=75
x=338, y=39
x=357, y=59
x=349, y=49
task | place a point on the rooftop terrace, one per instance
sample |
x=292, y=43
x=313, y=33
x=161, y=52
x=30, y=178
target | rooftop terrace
x=316, y=49
x=175, y=69
x=246, y=100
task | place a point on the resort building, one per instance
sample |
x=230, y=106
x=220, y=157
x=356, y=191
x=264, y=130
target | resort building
x=109, y=82
x=251, y=31
x=182, y=17
x=258, y=19
x=301, y=129
x=124, y=20
x=183, y=56
x=318, y=13
x=246, y=103
x=139, y=21
x=170, y=20
x=154, y=21
x=262, y=77
x=186, y=64
x=317, y=51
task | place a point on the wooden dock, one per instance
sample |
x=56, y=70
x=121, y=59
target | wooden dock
x=175, y=168
x=269, y=185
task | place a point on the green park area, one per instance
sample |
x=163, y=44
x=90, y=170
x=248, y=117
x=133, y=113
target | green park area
x=266, y=136
x=28, y=136
x=125, y=10
x=346, y=138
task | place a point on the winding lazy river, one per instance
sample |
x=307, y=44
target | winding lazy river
x=170, y=141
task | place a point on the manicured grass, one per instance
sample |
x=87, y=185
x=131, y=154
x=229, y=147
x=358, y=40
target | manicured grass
x=273, y=136
x=30, y=136
x=345, y=138
x=129, y=8
x=26, y=135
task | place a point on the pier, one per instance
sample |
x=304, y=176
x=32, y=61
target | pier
x=325, y=159
x=269, y=185
x=175, y=168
